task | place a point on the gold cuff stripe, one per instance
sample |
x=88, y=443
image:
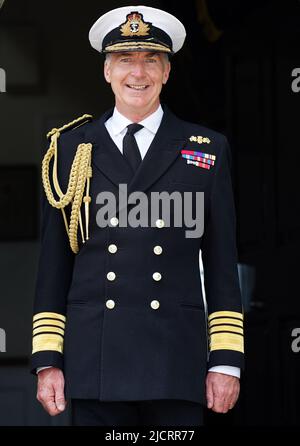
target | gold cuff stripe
x=228, y=328
x=45, y=342
x=226, y=320
x=227, y=341
x=136, y=45
x=233, y=314
x=48, y=329
x=52, y=322
x=49, y=315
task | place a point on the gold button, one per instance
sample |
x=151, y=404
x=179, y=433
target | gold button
x=111, y=276
x=156, y=277
x=155, y=304
x=112, y=249
x=110, y=304
x=114, y=221
x=157, y=250
x=160, y=223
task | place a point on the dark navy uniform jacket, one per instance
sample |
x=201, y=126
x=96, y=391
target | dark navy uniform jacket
x=136, y=350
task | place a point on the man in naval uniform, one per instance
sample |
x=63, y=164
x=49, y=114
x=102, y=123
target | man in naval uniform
x=120, y=326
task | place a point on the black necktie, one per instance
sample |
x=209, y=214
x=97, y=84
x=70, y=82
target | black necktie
x=130, y=147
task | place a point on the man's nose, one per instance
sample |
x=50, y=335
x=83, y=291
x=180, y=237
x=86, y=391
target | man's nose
x=138, y=69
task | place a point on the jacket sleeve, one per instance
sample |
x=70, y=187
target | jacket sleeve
x=53, y=281
x=219, y=256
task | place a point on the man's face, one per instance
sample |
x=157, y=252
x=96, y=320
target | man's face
x=136, y=79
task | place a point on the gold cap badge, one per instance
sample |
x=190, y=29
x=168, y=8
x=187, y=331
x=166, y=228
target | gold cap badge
x=135, y=26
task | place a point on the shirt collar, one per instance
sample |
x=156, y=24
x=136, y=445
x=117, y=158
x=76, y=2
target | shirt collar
x=119, y=122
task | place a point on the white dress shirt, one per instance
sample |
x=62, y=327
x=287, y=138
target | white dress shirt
x=116, y=126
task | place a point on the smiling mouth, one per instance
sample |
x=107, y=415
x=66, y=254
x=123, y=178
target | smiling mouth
x=137, y=87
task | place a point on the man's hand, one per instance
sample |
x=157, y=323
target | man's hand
x=50, y=392
x=222, y=391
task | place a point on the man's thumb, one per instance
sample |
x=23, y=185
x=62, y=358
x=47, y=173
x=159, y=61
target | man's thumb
x=60, y=400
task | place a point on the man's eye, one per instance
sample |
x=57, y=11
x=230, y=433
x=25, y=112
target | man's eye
x=151, y=60
x=127, y=59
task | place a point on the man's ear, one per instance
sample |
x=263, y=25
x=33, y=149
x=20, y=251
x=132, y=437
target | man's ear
x=166, y=73
x=106, y=70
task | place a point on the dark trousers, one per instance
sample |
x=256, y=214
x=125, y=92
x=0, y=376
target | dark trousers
x=136, y=413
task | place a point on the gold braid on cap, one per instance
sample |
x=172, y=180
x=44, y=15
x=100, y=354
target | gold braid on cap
x=79, y=181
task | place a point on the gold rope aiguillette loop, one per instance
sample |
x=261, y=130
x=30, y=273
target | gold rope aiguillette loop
x=79, y=180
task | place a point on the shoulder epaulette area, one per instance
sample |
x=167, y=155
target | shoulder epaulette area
x=71, y=125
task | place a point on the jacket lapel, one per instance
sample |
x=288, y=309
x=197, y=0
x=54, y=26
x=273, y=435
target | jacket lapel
x=164, y=150
x=105, y=154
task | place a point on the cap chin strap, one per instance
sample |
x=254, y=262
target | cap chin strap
x=79, y=181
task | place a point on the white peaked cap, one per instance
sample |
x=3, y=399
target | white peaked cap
x=137, y=28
